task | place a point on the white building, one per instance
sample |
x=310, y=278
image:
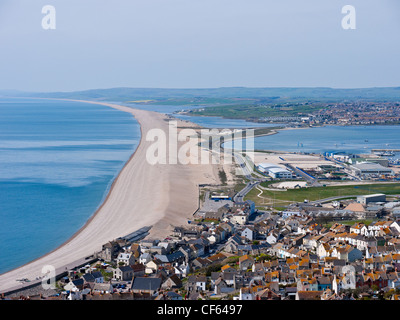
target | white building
x=279, y=173
x=274, y=171
x=126, y=258
x=239, y=218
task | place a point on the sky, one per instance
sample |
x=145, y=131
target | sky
x=198, y=44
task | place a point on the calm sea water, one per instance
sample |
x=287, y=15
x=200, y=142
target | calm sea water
x=349, y=139
x=57, y=162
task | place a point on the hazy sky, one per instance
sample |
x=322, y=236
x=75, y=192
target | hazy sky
x=198, y=44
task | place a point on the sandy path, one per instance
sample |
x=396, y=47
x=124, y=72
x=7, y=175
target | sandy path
x=142, y=195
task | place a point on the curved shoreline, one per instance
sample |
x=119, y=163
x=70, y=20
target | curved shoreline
x=92, y=216
x=121, y=211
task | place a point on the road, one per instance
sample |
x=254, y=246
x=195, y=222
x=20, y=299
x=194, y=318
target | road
x=239, y=197
x=311, y=180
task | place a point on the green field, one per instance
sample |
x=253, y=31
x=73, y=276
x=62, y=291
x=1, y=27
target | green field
x=257, y=111
x=282, y=198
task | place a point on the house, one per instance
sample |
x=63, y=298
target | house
x=231, y=246
x=196, y=283
x=197, y=250
x=93, y=277
x=109, y=251
x=378, y=279
x=153, y=265
x=308, y=295
x=88, y=278
x=138, y=269
x=98, y=277
x=172, y=282
x=393, y=280
x=248, y=234
x=356, y=209
x=356, y=228
x=323, y=250
x=239, y=218
x=170, y=295
x=228, y=268
x=246, y=293
x=217, y=258
x=125, y=258
x=146, y=244
x=245, y=262
x=182, y=270
x=347, y=253
x=175, y=257
x=221, y=286
x=267, y=294
x=199, y=263
x=273, y=236
x=145, y=258
x=228, y=227
x=324, y=283
x=123, y=273
x=75, y=285
x=103, y=288
x=148, y=285
x=214, y=237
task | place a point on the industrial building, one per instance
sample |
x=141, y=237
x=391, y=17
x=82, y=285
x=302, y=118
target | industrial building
x=368, y=168
x=279, y=173
x=274, y=171
x=264, y=167
x=379, y=197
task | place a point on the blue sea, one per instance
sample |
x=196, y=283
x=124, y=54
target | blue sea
x=58, y=160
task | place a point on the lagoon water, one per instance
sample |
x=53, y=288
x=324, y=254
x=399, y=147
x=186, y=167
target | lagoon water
x=348, y=139
x=58, y=160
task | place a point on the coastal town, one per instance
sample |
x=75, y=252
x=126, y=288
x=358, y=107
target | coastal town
x=311, y=113
x=344, y=113
x=233, y=251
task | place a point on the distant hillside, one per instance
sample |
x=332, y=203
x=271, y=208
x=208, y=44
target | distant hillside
x=260, y=94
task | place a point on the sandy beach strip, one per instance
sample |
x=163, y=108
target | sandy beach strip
x=143, y=194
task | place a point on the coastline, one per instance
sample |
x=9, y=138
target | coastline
x=116, y=216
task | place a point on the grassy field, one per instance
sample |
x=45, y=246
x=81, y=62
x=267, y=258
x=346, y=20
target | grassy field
x=257, y=111
x=282, y=198
x=349, y=222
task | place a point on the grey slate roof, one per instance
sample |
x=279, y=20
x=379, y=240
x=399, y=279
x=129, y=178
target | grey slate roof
x=146, y=283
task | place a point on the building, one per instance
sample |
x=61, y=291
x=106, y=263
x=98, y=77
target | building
x=367, y=168
x=379, y=197
x=264, y=167
x=279, y=173
x=274, y=171
x=124, y=273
